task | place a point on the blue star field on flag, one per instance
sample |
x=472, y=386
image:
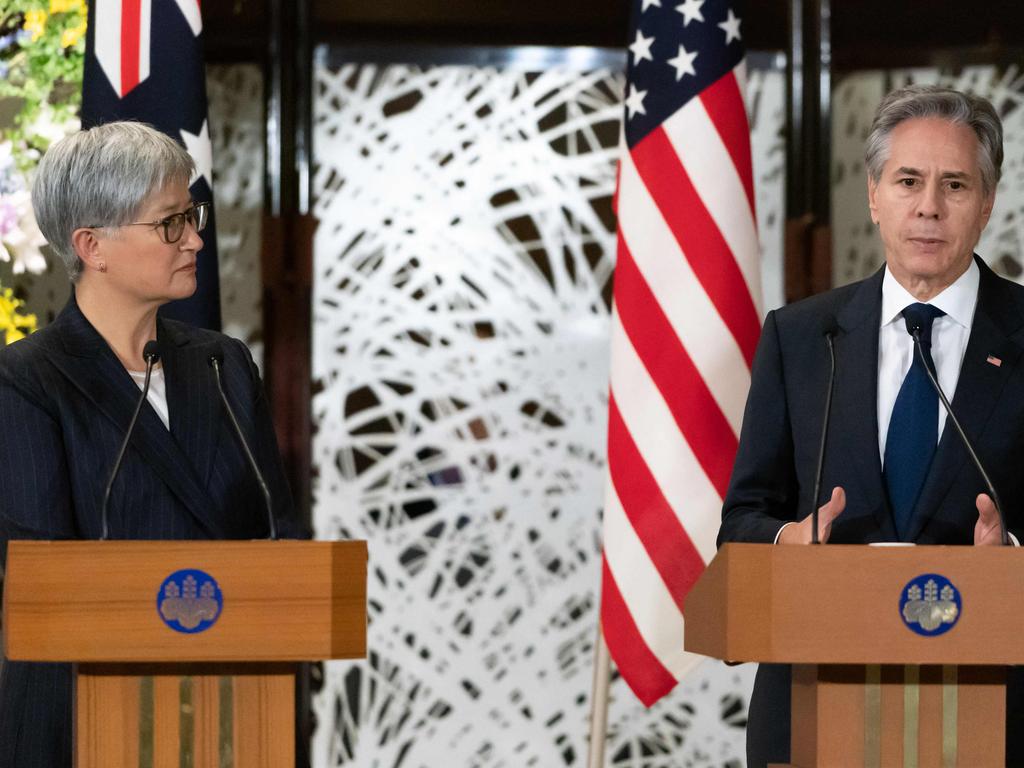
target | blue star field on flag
x=676, y=50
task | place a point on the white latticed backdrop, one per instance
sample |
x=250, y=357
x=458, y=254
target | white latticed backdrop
x=462, y=277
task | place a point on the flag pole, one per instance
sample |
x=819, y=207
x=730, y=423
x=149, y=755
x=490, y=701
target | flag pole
x=599, y=701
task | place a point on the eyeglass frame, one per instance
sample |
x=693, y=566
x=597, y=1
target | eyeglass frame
x=166, y=222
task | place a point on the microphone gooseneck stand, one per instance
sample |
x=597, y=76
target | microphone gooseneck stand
x=215, y=361
x=1003, y=535
x=151, y=354
x=829, y=332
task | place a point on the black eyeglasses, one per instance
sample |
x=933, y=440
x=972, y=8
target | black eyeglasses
x=174, y=225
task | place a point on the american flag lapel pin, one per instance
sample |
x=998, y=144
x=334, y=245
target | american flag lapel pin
x=994, y=360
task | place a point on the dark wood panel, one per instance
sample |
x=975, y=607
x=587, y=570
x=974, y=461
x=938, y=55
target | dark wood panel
x=882, y=33
x=237, y=30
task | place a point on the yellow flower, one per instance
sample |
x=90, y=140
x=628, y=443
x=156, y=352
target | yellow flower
x=70, y=37
x=14, y=325
x=35, y=22
x=67, y=6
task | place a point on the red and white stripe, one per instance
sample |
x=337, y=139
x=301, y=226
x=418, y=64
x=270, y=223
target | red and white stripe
x=685, y=326
x=122, y=30
x=122, y=38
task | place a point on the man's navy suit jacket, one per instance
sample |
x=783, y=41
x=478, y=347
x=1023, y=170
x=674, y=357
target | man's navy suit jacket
x=773, y=476
x=65, y=404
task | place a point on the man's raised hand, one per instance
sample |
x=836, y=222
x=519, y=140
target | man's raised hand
x=986, y=530
x=800, y=533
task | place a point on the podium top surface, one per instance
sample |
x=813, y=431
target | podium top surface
x=185, y=601
x=859, y=604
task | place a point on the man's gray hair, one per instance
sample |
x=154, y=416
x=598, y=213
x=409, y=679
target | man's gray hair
x=102, y=177
x=922, y=101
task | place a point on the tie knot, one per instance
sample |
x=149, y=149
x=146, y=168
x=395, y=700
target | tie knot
x=921, y=316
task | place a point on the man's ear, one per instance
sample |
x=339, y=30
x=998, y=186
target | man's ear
x=986, y=209
x=872, y=192
x=89, y=248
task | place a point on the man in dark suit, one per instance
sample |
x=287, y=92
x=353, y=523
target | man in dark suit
x=893, y=470
x=114, y=203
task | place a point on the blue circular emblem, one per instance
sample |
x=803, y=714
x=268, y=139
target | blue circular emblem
x=930, y=604
x=189, y=601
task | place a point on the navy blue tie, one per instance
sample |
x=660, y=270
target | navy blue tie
x=914, y=426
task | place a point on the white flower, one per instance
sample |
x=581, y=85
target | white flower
x=47, y=128
x=20, y=238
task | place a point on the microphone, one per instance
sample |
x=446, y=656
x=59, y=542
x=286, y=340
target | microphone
x=915, y=332
x=828, y=330
x=216, y=360
x=151, y=354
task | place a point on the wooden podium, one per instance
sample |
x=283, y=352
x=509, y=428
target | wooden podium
x=154, y=687
x=868, y=690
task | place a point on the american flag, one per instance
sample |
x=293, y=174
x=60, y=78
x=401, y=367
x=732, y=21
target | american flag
x=684, y=328
x=144, y=61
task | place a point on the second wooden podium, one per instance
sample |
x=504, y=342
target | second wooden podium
x=184, y=651
x=898, y=653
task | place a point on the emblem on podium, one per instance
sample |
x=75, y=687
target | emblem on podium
x=189, y=601
x=930, y=604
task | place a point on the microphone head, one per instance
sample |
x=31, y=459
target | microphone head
x=913, y=326
x=151, y=352
x=829, y=326
x=216, y=356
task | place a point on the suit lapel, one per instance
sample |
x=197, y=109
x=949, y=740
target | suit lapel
x=978, y=389
x=856, y=396
x=89, y=363
x=192, y=398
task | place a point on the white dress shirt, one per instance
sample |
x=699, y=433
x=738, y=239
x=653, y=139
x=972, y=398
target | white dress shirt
x=949, y=342
x=157, y=394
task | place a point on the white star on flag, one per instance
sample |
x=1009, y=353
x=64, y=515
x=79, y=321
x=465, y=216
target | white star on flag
x=635, y=101
x=190, y=10
x=202, y=152
x=648, y=3
x=684, y=63
x=691, y=11
x=641, y=48
x=731, y=27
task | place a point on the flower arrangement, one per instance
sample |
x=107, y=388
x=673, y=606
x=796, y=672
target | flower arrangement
x=42, y=48
x=14, y=322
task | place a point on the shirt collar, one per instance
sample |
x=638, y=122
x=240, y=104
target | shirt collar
x=957, y=301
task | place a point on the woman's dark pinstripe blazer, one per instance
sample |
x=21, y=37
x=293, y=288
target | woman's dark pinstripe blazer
x=65, y=402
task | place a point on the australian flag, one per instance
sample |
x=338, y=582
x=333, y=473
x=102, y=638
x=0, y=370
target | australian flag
x=144, y=61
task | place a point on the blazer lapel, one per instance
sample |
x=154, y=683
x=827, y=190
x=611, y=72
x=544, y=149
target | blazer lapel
x=978, y=388
x=856, y=396
x=192, y=398
x=89, y=363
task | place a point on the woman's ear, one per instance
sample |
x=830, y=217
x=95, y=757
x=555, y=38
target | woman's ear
x=89, y=248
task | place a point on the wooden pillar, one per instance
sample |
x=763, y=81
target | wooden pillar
x=808, y=237
x=287, y=270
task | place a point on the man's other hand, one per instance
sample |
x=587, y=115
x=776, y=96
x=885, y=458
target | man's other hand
x=986, y=530
x=800, y=533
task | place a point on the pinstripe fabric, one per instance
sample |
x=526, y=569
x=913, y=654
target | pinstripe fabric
x=67, y=401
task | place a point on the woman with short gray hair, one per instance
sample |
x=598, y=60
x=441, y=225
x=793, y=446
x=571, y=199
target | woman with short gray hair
x=114, y=203
x=100, y=178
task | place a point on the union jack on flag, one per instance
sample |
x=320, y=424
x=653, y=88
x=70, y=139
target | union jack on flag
x=144, y=61
x=685, y=325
